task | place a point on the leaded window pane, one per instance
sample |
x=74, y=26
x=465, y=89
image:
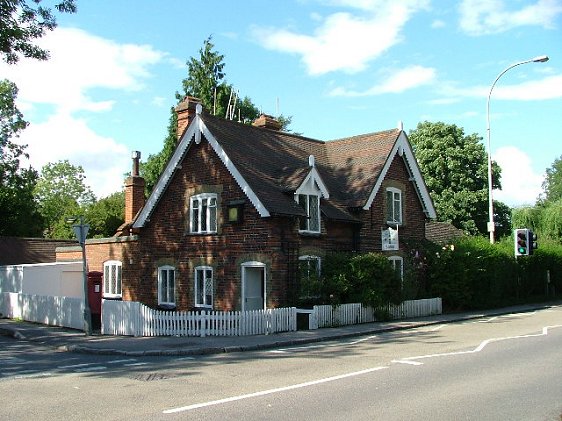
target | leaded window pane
x=314, y=217
x=212, y=214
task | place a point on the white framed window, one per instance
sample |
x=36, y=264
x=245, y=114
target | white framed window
x=311, y=204
x=393, y=205
x=204, y=286
x=397, y=263
x=310, y=266
x=167, y=285
x=112, y=271
x=203, y=213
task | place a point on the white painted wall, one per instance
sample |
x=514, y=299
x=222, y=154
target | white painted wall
x=61, y=279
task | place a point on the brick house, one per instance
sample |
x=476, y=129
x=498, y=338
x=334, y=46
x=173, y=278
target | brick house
x=240, y=209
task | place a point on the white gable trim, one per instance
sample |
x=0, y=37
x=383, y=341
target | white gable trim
x=193, y=133
x=402, y=148
x=313, y=177
x=167, y=174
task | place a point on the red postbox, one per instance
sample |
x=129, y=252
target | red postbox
x=94, y=296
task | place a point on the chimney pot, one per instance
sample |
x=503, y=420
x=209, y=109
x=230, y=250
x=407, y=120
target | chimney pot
x=267, y=122
x=186, y=111
x=136, y=155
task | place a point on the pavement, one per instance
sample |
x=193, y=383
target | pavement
x=71, y=340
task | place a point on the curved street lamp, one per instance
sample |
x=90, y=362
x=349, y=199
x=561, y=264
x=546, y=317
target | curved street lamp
x=491, y=224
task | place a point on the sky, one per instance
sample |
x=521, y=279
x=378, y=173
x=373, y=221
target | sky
x=338, y=67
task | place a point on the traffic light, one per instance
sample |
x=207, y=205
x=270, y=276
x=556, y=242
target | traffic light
x=533, y=244
x=521, y=238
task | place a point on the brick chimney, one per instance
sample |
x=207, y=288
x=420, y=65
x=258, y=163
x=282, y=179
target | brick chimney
x=267, y=122
x=134, y=190
x=186, y=112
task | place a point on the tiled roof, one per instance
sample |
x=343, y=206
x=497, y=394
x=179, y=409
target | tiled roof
x=441, y=232
x=14, y=250
x=269, y=165
x=275, y=163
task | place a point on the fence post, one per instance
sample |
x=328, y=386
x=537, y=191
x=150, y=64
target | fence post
x=203, y=323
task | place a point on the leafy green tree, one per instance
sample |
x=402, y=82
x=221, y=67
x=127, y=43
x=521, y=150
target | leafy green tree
x=552, y=184
x=61, y=192
x=22, y=22
x=106, y=215
x=18, y=209
x=454, y=166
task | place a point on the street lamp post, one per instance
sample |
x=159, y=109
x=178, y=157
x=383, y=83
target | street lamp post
x=491, y=224
x=81, y=232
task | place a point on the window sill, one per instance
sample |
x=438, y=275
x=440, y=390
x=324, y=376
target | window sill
x=310, y=234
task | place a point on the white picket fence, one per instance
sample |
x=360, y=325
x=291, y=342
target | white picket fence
x=135, y=319
x=45, y=309
x=355, y=313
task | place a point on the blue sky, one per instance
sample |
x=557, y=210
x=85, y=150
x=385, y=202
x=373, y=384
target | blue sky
x=338, y=67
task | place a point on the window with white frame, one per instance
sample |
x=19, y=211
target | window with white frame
x=309, y=270
x=203, y=213
x=397, y=263
x=311, y=204
x=204, y=286
x=112, y=270
x=393, y=205
x=167, y=285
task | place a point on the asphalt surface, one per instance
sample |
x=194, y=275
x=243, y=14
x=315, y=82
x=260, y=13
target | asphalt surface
x=72, y=340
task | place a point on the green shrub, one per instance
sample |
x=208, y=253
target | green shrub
x=364, y=278
x=472, y=273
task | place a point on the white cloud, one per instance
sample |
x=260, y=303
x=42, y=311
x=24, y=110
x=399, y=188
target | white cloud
x=79, y=63
x=400, y=81
x=549, y=87
x=65, y=137
x=481, y=17
x=344, y=41
x=520, y=184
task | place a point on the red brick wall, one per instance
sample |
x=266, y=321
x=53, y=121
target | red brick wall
x=166, y=238
x=413, y=227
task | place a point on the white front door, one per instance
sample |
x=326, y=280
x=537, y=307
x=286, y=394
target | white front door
x=253, y=286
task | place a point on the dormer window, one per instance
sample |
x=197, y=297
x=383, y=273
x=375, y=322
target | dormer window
x=393, y=206
x=311, y=204
x=203, y=213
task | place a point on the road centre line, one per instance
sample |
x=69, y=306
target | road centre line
x=271, y=391
x=482, y=345
x=129, y=360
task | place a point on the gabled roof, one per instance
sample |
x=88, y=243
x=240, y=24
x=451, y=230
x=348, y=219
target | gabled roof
x=270, y=165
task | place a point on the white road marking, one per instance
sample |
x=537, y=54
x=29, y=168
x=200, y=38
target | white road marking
x=135, y=364
x=74, y=365
x=368, y=338
x=130, y=360
x=32, y=376
x=483, y=344
x=304, y=348
x=436, y=328
x=410, y=362
x=271, y=391
x=88, y=369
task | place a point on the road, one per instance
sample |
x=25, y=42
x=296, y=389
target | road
x=506, y=367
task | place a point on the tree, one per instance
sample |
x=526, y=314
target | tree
x=18, y=210
x=552, y=184
x=106, y=215
x=206, y=81
x=22, y=22
x=61, y=193
x=454, y=167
